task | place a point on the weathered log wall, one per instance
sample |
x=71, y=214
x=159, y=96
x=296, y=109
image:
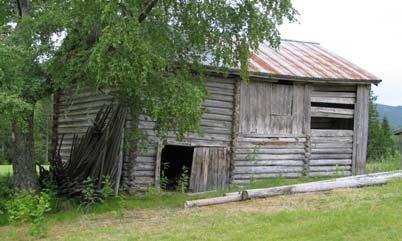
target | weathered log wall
x=266, y=125
x=292, y=147
x=216, y=124
x=75, y=113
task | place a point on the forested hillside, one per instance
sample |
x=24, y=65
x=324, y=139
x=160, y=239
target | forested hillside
x=393, y=113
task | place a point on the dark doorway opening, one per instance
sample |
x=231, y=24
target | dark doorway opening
x=173, y=160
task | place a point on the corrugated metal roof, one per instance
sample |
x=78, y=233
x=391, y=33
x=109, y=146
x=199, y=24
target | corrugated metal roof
x=306, y=60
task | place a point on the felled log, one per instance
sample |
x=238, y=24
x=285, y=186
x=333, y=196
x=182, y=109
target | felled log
x=212, y=201
x=345, y=182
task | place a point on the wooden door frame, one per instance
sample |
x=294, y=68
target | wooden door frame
x=160, y=147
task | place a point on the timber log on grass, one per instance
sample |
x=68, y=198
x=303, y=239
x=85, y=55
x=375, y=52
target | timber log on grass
x=346, y=182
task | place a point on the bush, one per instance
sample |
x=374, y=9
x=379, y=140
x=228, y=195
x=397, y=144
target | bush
x=6, y=193
x=29, y=207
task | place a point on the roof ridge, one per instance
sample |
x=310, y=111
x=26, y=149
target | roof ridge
x=300, y=41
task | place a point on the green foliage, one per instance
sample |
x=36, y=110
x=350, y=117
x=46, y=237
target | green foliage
x=89, y=196
x=43, y=123
x=29, y=207
x=93, y=194
x=146, y=59
x=380, y=143
x=153, y=58
x=163, y=180
x=107, y=189
x=184, y=179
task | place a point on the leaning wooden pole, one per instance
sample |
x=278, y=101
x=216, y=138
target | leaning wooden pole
x=346, y=182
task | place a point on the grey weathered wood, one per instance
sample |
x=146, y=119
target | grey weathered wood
x=269, y=163
x=210, y=169
x=400, y=148
x=270, y=156
x=334, y=94
x=333, y=100
x=334, y=88
x=331, y=162
x=246, y=178
x=360, y=129
x=158, y=164
x=266, y=169
x=331, y=112
x=332, y=133
x=235, y=126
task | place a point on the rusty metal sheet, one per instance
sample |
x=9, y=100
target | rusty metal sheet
x=305, y=60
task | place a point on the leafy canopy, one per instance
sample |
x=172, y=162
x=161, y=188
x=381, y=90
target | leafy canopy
x=151, y=52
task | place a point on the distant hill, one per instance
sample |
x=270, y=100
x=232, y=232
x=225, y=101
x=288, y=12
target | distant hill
x=393, y=113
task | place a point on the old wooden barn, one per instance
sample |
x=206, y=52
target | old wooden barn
x=303, y=113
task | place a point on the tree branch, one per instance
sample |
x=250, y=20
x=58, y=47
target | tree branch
x=147, y=8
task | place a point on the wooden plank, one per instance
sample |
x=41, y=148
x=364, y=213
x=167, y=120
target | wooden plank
x=331, y=162
x=270, y=151
x=361, y=129
x=217, y=104
x=307, y=128
x=333, y=100
x=334, y=88
x=332, y=133
x=282, y=99
x=335, y=139
x=400, y=148
x=299, y=108
x=158, y=164
x=330, y=156
x=235, y=130
x=333, y=94
x=269, y=163
x=331, y=112
x=248, y=177
x=270, y=157
x=335, y=169
x=332, y=151
x=266, y=169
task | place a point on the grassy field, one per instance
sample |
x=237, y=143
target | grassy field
x=5, y=169
x=371, y=213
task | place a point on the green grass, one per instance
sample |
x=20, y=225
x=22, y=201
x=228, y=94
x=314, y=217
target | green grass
x=5, y=170
x=8, y=169
x=371, y=213
x=351, y=214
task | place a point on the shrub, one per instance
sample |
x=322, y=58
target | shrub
x=29, y=207
x=183, y=182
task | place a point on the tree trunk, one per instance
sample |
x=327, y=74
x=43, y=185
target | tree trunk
x=25, y=176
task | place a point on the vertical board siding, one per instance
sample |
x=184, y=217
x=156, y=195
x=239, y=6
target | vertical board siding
x=210, y=169
x=270, y=108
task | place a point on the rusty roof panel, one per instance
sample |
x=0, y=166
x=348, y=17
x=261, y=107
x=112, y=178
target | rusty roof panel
x=305, y=60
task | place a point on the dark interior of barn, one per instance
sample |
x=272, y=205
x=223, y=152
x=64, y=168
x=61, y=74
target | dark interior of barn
x=174, y=158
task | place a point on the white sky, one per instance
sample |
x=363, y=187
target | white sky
x=366, y=32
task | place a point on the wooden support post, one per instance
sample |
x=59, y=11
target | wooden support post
x=400, y=148
x=158, y=164
x=307, y=128
x=360, y=129
x=235, y=126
